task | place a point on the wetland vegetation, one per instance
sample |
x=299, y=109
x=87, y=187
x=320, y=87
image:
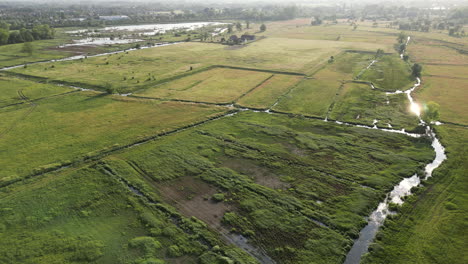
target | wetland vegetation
x=183, y=148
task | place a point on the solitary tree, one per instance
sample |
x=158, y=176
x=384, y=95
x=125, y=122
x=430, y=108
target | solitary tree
x=27, y=48
x=238, y=26
x=379, y=53
x=263, y=27
x=431, y=111
x=402, y=37
x=230, y=28
x=247, y=24
x=4, y=34
x=416, y=70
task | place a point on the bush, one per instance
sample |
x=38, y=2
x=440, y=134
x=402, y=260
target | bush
x=147, y=244
x=219, y=197
x=174, y=251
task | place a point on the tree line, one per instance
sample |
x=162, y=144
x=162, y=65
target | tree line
x=37, y=32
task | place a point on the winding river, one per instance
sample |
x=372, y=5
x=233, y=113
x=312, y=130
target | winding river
x=377, y=217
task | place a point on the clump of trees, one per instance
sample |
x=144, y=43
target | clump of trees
x=431, y=111
x=416, y=70
x=316, y=21
x=38, y=32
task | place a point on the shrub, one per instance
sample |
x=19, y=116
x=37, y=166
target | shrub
x=174, y=251
x=218, y=197
x=147, y=244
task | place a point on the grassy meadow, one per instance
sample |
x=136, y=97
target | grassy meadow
x=13, y=89
x=219, y=85
x=310, y=97
x=358, y=103
x=72, y=127
x=89, y=216
x=271, y=178
x=147, y=67
x=265, y=95
x=431, y=225
x=389, y=73
x=250, y=187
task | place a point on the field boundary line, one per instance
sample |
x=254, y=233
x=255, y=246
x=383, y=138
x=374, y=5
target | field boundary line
x=255, y=87
x=259, y=70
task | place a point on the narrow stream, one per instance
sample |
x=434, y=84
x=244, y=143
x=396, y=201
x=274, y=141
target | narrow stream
x=377, y=218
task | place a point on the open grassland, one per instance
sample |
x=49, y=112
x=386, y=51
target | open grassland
x=88, y=216
x=13, y=90
x=450, y=94
x=431, y=225
x=67, y=128
x=147, y=67
x=448, y=71
x=389, y=73
x=265, y=95
x=310, y=97
x=358, y=103
x=271, y=178
x=345, y=66
x=424, y=52
x=343, y=32
x=219, y=85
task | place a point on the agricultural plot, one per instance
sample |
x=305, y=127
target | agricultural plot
x=88, y=216
x=69, y=128
x=148, y=67
x=449, y=93
x=219, y=85
x=265, y=95
x=310, y=97
x=342, y=32
x=295, y=187
x=345, y=66
x=13, y=90
x=358, y=103
x=423, y=52
x=390, y=73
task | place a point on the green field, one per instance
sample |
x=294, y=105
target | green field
x=389, y=73
x=358, y=103
x=88, y=216
x=310, y=97
x=275, y=174
x=155, y=177
x=219, y=85
x=12, y=90
x=265, y=95
x=71, y=127
x=147, y=67
x=431, y=225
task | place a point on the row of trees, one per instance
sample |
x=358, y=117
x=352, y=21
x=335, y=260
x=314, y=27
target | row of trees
x=38, y=32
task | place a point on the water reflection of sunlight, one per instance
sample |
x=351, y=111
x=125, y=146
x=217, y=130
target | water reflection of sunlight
x=416, y=109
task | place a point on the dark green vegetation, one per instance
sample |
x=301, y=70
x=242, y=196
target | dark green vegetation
x=358, y=103
x=280, y=177
x=431, y=225
x=389, y=73
x=89, y=216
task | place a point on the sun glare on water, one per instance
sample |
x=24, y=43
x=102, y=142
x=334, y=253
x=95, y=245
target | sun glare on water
x=416, y=109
